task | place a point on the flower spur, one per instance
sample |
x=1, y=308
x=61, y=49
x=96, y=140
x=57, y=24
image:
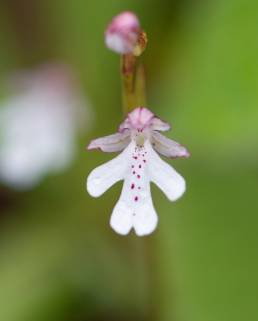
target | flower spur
x=138, y=165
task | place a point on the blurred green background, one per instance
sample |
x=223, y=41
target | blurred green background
x=59, y=258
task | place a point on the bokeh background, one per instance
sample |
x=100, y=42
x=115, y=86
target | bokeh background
x=59, y=259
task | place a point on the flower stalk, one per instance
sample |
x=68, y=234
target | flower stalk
x=133, y=77
x=125, y=36
x=133, y=83
x=127, y=81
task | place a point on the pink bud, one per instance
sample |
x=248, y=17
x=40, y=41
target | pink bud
x=122, y=33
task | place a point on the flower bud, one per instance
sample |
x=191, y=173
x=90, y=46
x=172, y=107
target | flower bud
x=123, y=33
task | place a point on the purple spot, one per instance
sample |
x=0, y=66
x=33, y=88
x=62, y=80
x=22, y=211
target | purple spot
x=132, y=166
x=138, y=176
x=144, y=160
x=136, y=198
x=132, y=186
x=133, y=172
x=139, y=187
x=135, y=157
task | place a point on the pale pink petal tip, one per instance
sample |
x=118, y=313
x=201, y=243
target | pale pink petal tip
x=122, y=33
x=168, y=147
x=187, y=153
x=92, y=145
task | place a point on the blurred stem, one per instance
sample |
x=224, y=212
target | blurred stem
x=34, y=38
x=133, y=83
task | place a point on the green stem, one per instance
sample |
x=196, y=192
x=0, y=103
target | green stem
x=140, y=86
x=133, y=83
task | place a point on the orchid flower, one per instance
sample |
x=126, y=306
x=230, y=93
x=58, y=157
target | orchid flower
x=39, y=125
x=138, y=165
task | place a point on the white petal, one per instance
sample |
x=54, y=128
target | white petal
x=122, y=219
x=168, y=147
x=142, y=218
x=111, y=143
x=164, y=176
x=106, y=175
x=128, y=214
x=134, y=208
x=146, y=219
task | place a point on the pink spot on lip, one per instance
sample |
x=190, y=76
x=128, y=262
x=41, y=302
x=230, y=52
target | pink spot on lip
x=138, y=176
x=136, y=198
x=132, y=186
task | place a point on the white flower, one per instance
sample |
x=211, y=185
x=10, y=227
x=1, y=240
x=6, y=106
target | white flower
x=39, y=125
x=138, y=165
